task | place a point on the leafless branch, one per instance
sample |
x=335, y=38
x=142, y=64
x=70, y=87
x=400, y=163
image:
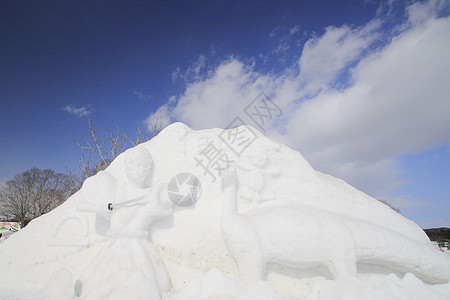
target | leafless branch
x=98, y=153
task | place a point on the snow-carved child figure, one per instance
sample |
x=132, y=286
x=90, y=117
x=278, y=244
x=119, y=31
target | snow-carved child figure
x=256, y=171
x=128, y=266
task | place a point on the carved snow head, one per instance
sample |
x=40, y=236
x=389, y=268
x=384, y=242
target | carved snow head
x=259, y=158
x=138, y=167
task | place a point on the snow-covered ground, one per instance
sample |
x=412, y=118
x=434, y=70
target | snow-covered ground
x=312, y=235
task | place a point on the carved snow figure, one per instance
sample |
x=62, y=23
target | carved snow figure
x=255, y=172
x=128, y=266
x=263, y=235
x=320, y=225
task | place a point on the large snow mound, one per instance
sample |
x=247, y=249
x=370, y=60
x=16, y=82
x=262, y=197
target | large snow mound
x=392, y=255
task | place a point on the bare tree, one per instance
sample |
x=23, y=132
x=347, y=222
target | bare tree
x=33, y=193
x=145, y=133
x=396, y=209
x=100, y=151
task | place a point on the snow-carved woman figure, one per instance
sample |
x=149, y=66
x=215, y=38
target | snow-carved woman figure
x=128, y=266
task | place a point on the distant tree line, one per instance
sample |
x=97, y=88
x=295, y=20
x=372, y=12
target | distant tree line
x=32, y=194
x=438, y=234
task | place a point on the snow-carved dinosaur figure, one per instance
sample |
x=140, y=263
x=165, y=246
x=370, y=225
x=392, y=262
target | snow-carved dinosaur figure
x=300, y=236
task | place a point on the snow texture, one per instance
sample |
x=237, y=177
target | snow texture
x=274, y=229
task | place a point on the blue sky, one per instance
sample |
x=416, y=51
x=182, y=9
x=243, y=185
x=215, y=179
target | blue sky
x=363, y=84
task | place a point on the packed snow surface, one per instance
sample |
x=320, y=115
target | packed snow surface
x=258, y=222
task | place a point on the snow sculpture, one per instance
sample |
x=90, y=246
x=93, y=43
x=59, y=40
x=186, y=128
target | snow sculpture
x=128, y=258
x=322, y=216
x=338, y=242
x=64, y=236
x=256, y=170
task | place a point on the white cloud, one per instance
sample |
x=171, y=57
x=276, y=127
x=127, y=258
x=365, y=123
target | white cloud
x=294, y=30
x=162, y=116
x=283, y=46
x=83, y=111
x=398, y=104
x=142, y=96
x=274, y=32
x=219, y=98
x=325, y=57
x=394, y=101
x=195, y=71
x=421, y=12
